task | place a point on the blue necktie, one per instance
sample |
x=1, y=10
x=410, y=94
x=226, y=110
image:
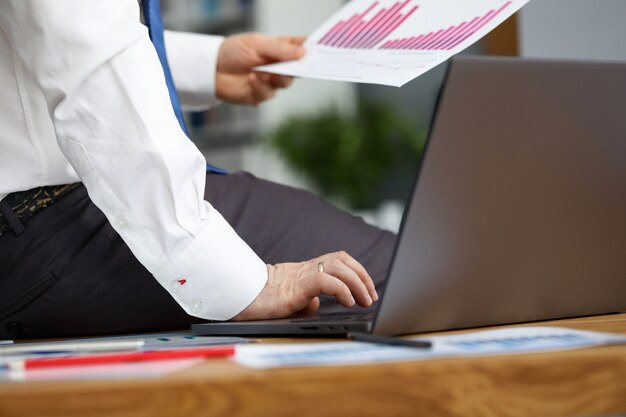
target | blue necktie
x=152, y=13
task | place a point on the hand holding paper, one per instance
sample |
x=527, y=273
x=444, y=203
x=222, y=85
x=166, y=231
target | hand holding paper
x=391, y=42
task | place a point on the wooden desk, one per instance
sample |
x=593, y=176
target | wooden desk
x=589, y=382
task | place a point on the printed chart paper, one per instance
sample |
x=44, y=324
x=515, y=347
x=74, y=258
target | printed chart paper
x=391, y=42
x=490, y=342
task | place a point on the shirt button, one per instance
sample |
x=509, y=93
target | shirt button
x=121, y=222
x=196, y=306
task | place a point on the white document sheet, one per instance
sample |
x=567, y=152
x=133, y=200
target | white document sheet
x=391, y=42
x=116, y=371
x=491, y=342
x=153, y=341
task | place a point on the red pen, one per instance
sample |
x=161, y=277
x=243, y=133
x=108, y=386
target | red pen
x=102, y=359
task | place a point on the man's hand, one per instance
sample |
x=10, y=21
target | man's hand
x=296, y=287
x=237, y=83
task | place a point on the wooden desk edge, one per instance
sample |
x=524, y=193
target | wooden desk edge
x=577, y=382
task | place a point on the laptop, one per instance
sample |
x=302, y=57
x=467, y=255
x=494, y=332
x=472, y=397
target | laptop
x=518, y=211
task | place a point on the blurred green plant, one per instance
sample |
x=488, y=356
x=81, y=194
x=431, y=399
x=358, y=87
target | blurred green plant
x=351, y=158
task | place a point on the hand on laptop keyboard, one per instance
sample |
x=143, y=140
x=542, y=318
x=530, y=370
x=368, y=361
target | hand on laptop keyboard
x=296, y=287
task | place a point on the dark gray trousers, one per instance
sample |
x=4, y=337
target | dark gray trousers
x=70, y=273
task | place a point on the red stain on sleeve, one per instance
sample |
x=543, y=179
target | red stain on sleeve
x=182, y=281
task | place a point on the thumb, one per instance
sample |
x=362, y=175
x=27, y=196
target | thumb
x=311, y=308
x=273, y=49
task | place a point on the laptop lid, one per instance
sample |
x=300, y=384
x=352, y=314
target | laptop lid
x=519, y=211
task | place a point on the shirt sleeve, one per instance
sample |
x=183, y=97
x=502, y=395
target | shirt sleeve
x=193, y=61
x=107, y=97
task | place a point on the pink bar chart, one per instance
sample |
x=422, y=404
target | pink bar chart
x=445, y=39
x=367, y=29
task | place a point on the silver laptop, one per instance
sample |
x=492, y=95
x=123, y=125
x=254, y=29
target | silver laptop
x=519, y=207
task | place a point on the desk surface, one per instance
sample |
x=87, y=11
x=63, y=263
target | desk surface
x=589, y=382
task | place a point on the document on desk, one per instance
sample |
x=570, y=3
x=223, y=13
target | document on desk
x=391, y=42
x=115, y=371
x=491, y=342
x=148, y=342
x=64, y=348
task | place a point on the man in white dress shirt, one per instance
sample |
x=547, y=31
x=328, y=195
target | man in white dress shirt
x=103, y=197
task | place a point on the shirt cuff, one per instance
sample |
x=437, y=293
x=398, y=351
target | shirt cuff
x=238, y=274
x=193, y=61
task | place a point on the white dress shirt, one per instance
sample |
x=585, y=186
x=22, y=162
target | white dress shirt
x=83, y=98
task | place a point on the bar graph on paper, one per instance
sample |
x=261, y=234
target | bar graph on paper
x=357, y=32
x=391, y=42
x=446, y=39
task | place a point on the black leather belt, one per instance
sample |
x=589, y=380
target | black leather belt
x=25, y=204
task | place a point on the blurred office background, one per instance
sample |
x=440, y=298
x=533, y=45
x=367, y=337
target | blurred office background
x=359, y=145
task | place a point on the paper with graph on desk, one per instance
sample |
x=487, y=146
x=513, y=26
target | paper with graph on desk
x=391, y=42
x=490, y=342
